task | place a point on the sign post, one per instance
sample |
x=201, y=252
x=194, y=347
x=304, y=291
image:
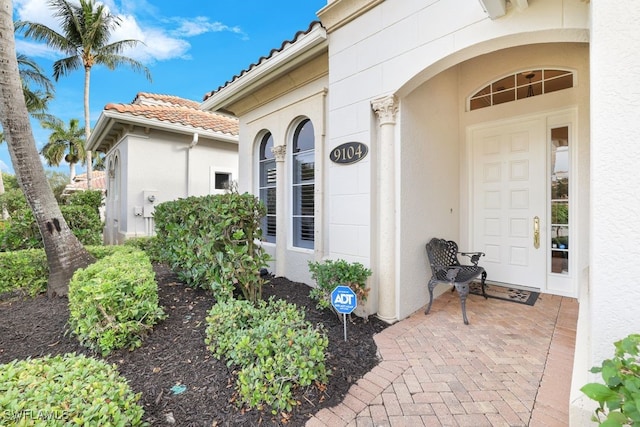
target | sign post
x=344, y=301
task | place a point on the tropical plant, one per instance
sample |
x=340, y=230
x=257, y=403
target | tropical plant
x=619, y=396
x=65, y=143
x=86, y=29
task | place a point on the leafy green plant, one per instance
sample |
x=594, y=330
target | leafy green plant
x=113, y=303
x=148, y=244
x=90, y=198
x=275, y=349
x=329, y=274
x=619, y=396
x=66, y=390
x=211, y=242
x=26, y=271
x=23, y=271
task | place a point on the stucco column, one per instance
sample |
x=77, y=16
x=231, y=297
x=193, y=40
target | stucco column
x=279, y=152
x=386, y=109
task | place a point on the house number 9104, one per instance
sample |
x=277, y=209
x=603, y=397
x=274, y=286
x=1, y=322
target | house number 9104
x=349, y=152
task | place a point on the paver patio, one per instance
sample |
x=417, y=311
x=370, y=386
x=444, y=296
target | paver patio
x=511, y=366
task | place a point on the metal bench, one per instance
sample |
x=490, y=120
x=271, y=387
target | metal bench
x=445, y=268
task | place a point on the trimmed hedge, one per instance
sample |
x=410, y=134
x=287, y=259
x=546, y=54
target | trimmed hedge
x=66, y=390
x=26, y=271
x=113, y=303
x=273, y=345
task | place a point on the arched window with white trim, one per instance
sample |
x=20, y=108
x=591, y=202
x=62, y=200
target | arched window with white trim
x=303, y=185
x=267, y=187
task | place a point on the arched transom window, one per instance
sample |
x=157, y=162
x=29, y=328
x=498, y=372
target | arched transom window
x=523, y=84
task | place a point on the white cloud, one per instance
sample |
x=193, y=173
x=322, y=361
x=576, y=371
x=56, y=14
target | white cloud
x=161, y=43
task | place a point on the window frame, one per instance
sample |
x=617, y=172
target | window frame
x=298, y=218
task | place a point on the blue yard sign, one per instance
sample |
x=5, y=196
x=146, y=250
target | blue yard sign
x=344, y=301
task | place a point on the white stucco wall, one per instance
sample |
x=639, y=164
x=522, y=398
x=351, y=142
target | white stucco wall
x=396, y=47
x=162, y=162
x=615, y=189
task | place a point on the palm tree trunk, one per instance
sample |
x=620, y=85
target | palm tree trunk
x=87, y=125
x=64, y=252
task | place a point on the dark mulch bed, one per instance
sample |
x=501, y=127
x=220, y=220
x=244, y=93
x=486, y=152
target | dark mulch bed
x=175, y=353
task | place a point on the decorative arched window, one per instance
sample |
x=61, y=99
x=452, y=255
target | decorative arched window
x=303, y=156
x=267, y=187
x=523, y=84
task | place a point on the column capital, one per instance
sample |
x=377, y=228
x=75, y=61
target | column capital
x=386, y=109
x=279, y=152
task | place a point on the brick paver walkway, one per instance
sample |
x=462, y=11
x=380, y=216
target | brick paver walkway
x=511, y=366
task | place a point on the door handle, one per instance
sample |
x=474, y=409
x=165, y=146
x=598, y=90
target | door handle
x=536, y=232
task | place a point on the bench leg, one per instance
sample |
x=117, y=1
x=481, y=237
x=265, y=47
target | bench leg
x=484, y=277
x=432, y=285
x=463, y=291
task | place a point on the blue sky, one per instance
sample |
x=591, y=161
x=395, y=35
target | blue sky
x=191, y=47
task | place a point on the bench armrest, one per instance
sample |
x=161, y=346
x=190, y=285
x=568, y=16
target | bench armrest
x=474, y=257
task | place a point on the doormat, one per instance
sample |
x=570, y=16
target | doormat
x=507, y=294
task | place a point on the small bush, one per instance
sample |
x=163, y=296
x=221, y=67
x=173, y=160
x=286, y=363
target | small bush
x=329, y=274
x=90, y=198
x=211, y=242
x=26, y=271
x=66, y=390
x=113, y=303
x=275, y=348
x=21, y=230
x=147, y=244
x=619, y=397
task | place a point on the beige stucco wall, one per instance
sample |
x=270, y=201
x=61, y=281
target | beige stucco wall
x=279, y=117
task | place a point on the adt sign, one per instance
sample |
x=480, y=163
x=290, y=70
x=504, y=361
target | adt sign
x=344, y=299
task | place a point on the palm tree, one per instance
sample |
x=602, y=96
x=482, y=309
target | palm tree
x=65, y=254
x=65, y=143
x=86, y=29
x=36, y=99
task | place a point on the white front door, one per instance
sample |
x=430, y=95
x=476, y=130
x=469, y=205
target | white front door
x=509, y=202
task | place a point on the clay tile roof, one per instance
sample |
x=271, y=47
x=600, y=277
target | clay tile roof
x=98, y=182
x=176, y=110
x=264, y=58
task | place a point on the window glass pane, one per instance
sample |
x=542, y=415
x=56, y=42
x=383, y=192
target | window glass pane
x=560, y=197
x=267, y=173
x=304, y=165
x=559, y=83
x=505, y=96
x=304, y=232
x=303, y=138
x=265, y=147
x=222, y=180
x=530, y=90
x=304, y=200
x=480, y=102
x=503, y=84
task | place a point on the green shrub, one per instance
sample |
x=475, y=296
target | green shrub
x=24, y=271
x=273, y=345
x=113, y=303
x=21, y=230
x=619, y=396
x=90, y=198
x=329, y=274
x=27, y=271
x=210, y=242
x=147, y=244
x=66, y=390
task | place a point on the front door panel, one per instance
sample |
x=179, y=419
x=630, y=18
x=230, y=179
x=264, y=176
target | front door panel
x=509, y=201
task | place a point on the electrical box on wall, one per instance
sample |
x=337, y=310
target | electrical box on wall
x=150, y=200
x=137, y=211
